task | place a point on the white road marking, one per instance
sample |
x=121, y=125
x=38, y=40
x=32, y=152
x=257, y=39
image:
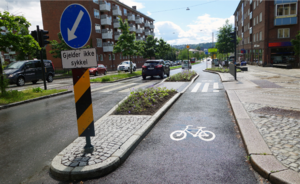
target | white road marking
x=216, y=91
x=112, y=89
x=195, y=89
x=205, y=88
x=216, y=85
x=136, y=87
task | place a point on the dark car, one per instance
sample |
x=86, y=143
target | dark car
x=155, y=67
x=19, y=72
x=100, y=69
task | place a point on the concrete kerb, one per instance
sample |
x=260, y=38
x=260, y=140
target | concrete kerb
x=64, y=173
x=32, y=100
x=261, y=157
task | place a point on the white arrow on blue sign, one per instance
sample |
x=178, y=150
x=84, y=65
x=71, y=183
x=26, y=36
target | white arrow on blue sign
x=75, y=26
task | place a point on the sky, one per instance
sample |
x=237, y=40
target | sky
x=173, y=22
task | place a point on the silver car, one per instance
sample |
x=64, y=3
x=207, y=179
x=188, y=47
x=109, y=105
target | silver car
x=186, y=64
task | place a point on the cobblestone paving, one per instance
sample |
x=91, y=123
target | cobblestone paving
x=281, y=133
x=110, y=133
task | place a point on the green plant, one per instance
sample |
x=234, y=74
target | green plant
x=183, y=76
x=3, y=84
x=37, y=90
x=105, y=79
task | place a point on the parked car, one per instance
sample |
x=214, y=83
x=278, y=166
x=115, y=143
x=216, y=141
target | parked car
x=243, y=63
x=125, y=66
x=178, y=62
x=186, y=64
x=20, y=72
x=168, y=62
x=155, y=67
x=100, y=69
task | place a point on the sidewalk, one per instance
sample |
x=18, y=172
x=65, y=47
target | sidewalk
x=266, y=105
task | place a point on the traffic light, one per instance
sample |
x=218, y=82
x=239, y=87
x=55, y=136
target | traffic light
x=44, y=37
x=34, y=35
x=233, y=37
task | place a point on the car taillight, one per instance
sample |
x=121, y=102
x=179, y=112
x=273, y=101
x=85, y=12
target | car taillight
x=53, y=66
x=158, y=66
x=144, y=66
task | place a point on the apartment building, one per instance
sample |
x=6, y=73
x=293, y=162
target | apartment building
x=8, y=56
x=266, y=29
x=105, y=27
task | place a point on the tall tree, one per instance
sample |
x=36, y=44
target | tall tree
x=150, y=49
x=224, y=44
x=16, y=38
x=126, y=43
x=296, y=44
x=162, y=48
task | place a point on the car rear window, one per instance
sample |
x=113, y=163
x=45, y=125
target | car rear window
x=148, y=63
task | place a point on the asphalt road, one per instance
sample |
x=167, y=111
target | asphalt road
x=159, y=159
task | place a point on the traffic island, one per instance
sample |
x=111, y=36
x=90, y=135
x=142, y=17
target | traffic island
x=116, y=137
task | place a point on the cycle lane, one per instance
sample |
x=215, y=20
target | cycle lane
x=159, y=159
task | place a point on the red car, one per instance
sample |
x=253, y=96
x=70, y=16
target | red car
x=101, y=69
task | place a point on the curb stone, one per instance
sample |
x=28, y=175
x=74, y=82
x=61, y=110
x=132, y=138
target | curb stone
x=65, y=173
x=262, y=159
x=32, y=100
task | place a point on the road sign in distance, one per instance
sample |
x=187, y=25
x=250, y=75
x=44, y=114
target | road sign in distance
x=75, y=26
x=187, y=46
x=213, y=50
x=83, y=58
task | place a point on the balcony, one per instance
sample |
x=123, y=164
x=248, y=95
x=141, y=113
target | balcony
x=147, y=32
x=138, y=20
x=152, y=33
x=116, y=23
x=105, y=20
x=139, y=38
x=117, y=35
x=147, y=24
x=132, y=28
x=117, y=11
x=104, y=6
x=131, y=17
x=151, y=26
x=106, y=34
x=139, y=30
x=12, y=52
x=108, y=47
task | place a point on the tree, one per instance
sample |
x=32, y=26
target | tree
x=150, y=49
x=162, y=48
x=16, y=38
x=126, y=43
x=296, y=44
x=224, y=44
x=198, y=48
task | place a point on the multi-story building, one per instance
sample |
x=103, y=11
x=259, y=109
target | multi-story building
x=8, y=56
x=266, y=29
x=105, y=27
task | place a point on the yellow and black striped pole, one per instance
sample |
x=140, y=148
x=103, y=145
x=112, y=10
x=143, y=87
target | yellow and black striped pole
x=84, y=107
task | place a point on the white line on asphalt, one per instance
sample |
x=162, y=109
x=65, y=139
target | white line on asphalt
x=107, y=86
x=205, y=88
x=216, y=90
x=216, y=85
x=195, y=89
x=138, y=86
x=112, y=89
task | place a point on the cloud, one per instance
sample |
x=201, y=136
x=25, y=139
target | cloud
x=149, y=13
x=131, y=3
x=31, y=10
x=198, y=32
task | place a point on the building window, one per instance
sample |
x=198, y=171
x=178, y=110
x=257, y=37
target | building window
x=96, y=1
x=257, y=19
x=253, y=37
x=260, y=0
x=284, y=33
x=260, y=35
x=125, y=11
x=99, y=42
x=286, y=9
x=253, y=21
x=97, y=28
x=109, y=56
x=101, y=57
x=96, y=14
x=114, y=57
x=260, y=17
x=120, y=56
x=254, y=5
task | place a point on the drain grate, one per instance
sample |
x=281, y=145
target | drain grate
x=278, y=112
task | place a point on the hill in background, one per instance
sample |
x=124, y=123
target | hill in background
x=194, y=46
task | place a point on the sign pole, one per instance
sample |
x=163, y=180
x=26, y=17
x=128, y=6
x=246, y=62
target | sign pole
x=41, y=53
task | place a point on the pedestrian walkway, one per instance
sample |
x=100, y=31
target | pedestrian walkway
x=270, y=97
x=206, y=87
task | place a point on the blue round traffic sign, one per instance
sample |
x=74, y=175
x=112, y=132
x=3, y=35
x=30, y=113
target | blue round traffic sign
x=75, y=26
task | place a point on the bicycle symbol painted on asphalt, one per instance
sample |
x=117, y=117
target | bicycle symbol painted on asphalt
x=205, y=135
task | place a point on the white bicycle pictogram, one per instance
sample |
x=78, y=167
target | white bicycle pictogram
x=205, y=135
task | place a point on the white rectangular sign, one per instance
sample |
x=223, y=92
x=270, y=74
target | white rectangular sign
x=83, y=58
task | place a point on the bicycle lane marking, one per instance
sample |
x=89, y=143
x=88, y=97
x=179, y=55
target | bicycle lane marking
x=205, y=135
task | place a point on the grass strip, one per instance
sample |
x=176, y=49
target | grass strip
x=174, y=67
x=185, y=75
x=18, y=96
x=111, y=78
x=222, y=70
x=145, y=101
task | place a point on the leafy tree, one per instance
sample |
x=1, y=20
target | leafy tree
x=162, y=48
x=224, y=44
x=17, y=38
x=126, y=43
x=296, y=44
x=198, y=48
x=150, y=49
